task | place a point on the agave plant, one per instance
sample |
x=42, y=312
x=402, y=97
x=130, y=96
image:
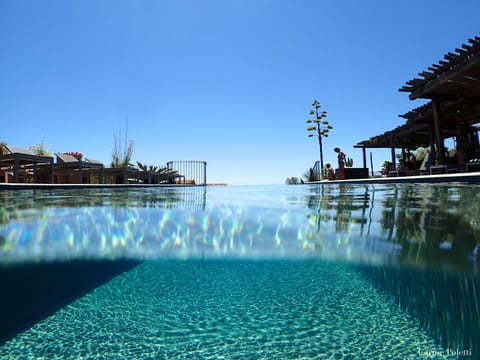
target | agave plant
x=310, y=175
x=122, y=151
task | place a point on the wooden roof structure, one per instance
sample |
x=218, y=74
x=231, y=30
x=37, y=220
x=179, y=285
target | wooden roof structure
x=457, y=75
x=453, y=86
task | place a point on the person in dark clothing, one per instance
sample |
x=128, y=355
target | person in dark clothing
x=341, y=163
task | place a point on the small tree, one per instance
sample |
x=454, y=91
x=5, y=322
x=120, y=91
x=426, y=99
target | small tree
x=40, y=149
x=293, y=181
x=3, y=151
x=421, y=153
x=386, y=167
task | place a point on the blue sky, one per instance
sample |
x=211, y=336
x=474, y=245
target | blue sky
x=227, y=82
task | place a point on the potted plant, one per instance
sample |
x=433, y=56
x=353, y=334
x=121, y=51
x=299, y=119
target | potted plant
x=386, y=167
x=77, y=155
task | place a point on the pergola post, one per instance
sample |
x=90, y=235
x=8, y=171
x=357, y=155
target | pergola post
x=462, y=141
x=437, y=121
x=392, y=149
x=364, y=154
x=16, y=168
x=52, y=174
x=431, y=140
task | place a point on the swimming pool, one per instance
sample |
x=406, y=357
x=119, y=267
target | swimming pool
x=311, y=271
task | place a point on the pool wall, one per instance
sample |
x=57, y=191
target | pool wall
x=33, y=292
x=446, y=305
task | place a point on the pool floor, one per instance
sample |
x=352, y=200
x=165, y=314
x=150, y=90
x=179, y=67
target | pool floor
x=229, y=310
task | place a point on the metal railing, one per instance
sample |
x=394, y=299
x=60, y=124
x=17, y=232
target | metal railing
x=193, y=171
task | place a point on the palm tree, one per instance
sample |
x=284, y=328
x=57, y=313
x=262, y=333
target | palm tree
x=141, y=166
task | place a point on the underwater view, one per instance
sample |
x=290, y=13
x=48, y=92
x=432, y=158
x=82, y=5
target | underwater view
x=323, y=271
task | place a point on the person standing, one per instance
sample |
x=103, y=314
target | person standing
x=412, y=164
x=341, y=163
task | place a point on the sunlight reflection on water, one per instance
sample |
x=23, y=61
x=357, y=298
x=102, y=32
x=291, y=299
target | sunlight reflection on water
x=414, y=224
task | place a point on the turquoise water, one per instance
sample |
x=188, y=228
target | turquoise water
x=292, y=272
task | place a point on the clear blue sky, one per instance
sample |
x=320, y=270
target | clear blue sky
x=228, y=82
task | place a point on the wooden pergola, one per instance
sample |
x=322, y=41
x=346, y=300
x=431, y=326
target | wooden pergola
x=453, y=88
x=20, y=162
x=70, y=170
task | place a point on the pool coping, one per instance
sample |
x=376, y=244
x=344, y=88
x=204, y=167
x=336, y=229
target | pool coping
x=470, y=178
x=34, y=186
